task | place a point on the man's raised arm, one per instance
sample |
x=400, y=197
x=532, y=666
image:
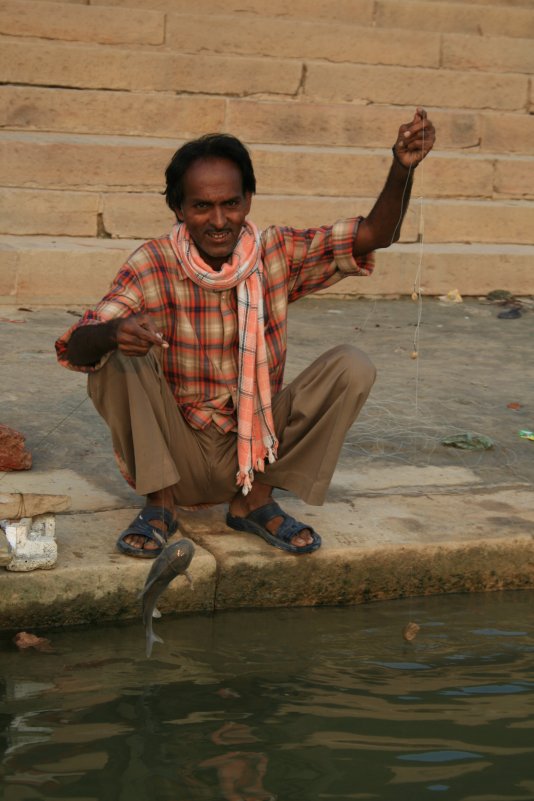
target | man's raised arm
x=382, y=225
x=133, y=336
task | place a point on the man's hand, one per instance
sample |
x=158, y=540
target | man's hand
x=415, y=140
x=135, y=335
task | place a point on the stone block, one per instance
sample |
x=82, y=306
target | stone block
x=13, y=453
x=138, y=215
x=341, y=124
x=340, y=173
x=507, y=133
x=360, y=11
x=124, y=113
x=448, y=16
x=93, y=583
x=32, y=542
x=419, y=87
x=52, y=213
x=495, y=53
x=472, y=269
x=471, y=221
x=8, y=273
x=515, y=178
x=85, y=24
x=64, y=271
x=83, y=66
x=29, y=504
x=332, y=41
x=63, y=162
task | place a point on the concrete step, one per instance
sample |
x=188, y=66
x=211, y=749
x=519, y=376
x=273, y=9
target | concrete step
x=62, y=271
x=461, y=18
x=61, y=161
x=290, y=122
x=83, y=23
x=515, y=19
x=86, y=66
x=134, y=215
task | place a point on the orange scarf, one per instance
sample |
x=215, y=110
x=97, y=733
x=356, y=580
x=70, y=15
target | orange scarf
x=256, y=439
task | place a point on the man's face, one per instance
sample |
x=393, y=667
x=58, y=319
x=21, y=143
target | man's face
x=214, y=207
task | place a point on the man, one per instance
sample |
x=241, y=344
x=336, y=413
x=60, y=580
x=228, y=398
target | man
x=186, y=352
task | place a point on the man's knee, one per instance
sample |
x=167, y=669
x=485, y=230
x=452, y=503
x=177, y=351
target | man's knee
x=353, y=367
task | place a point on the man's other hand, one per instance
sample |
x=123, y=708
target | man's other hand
x=415, y=140
x=137, y=334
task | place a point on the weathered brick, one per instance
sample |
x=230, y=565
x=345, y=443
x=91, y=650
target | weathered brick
x=353, y=11
x=296, y=123
x=64, y=271
x=56, y=162
x=507, y=133
x=343, y=173
x=89, y=66
x=493, y=53
x=334, y=41
x=443, y=17
x=472, y=269
x=85, y=24
x=136, y=215
x=8, y=273
x=515, y=178
x=406, y=86
x=27, y=211
x=157, y=114
x=74, y=271
x=472, y=221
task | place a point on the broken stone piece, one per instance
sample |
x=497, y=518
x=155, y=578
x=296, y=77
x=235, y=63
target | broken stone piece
x=13, y=454
x=29, y=504
x=410, y=630
x=32, y=542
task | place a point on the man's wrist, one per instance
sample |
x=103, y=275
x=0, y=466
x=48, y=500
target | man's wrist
x=398, y=161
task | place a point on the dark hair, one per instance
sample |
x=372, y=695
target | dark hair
x=222, y=146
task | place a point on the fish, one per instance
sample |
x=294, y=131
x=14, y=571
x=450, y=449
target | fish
x=173, y=561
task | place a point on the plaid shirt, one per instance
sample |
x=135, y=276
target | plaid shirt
x=201, y=325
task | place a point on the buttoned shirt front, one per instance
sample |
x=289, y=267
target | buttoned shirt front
x=200, y=324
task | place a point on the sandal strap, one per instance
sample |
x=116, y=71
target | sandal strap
x=287, y=528
x=158, y=513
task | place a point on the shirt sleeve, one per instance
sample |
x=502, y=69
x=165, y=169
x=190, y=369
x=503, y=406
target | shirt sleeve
x=124, y=298
x=320, y=257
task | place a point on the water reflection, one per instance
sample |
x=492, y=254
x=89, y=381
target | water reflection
x=289, y=704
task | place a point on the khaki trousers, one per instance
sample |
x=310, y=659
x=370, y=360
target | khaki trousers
x=312, y=415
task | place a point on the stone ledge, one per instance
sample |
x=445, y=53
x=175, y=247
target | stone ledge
x=391, y=547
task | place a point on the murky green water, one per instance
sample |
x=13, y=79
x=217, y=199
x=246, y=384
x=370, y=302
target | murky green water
x=294, y=705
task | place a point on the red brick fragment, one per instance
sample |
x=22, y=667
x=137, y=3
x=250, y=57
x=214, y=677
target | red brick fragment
x=13, y=454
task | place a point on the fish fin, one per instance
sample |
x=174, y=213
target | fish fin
x=151, y=639
x=189, y=577
x=156, y=613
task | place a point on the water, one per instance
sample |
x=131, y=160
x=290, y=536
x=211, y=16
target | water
x=293, y=705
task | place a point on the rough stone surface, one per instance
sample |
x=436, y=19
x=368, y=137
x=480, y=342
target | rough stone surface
x=82, y=66
x=93, y=583
x=13, y=453
x=42, y=109
x=86, y=24
x=377, y=84
x=34, y=212
x=32, y=542
x=508, y=133
x=334, y=41
x=517, y=180
x=447, y=16
x=488, y=53
x=341, y=124
x=404, y=516
x=29, y=504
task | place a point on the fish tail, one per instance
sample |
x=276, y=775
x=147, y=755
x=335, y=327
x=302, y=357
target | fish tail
x=151, y=638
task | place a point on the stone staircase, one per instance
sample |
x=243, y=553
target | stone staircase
x=96, y=98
